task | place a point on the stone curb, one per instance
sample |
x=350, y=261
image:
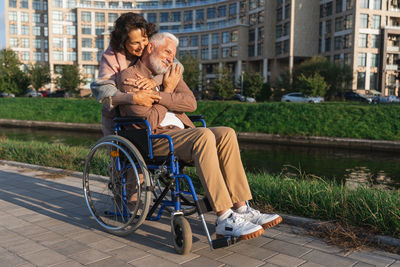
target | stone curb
x=302, y=222
x=316, y=141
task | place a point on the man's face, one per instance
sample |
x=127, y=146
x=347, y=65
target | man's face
x=162, y=56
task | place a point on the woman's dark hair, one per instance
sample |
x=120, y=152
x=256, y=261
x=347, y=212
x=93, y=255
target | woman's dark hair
x=124, y=25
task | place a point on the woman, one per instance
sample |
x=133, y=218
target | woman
x=128, y=39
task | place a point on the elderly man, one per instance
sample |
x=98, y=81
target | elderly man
x=214, y=151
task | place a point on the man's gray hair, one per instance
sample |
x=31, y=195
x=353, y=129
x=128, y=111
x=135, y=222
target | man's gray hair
x=159, y=38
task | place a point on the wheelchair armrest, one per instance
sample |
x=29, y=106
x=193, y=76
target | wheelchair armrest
x=129, y=119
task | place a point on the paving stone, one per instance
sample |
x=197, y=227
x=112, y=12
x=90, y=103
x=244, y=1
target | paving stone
x=269, y=265
x=252, y=251
x=89, y=256
x=213, y=254
x=106, y=244
x=362, y=264
x=287, y=248
x=7, y=237
x=371, y=258
x=257, y=242
x=48, y=238
x=8, y=259
x=20, y=212
x=237, y=259
x=328, y=259
x=170, y=254
x=321, y=245
x=396, y=264
x=112, y=261
x=311, y=264
x=26, y=247
x=199, y=245
x=203, y=261
x=271, y=233
x=44, y=257
x=87, y=237
x=153, y=261
x=68, y=247
x=30, y=230
x=285, y=260
x=11, y=222
x=295, y=239
x=128, y=253
x=69, y=263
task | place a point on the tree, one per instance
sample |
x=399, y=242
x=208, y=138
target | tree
x=191, y=74
x=70, y=78
x=313, y=85
x=12, y=78
x=39, y=75
x=223, y=85
x=252, y=83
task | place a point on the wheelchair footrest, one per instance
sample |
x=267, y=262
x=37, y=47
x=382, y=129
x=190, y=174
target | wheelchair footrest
x=224, y=242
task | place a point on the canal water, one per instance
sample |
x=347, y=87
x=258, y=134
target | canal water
x=355, y=168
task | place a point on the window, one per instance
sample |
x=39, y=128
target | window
x=234, y=36
x=378, y=4
x=113, y=4
x=152, y=17
x=12, y=3
x=364, y=4
x=362, y=59
x=279, y=14
x=57, y=15
x=214, y=53
x=188, y=26
x=204, y=40
x=71, y=43
x=36, y=18
x=361, y=80
x=71, y=4
x=278, y=48
x=57, y=42
x=24, y=17
x=221, y=11
x=127, y=5
x=12, y=16
x=328, y=9
x=204, y=53
x=199, y=14
x=99, y=17
x=87, y=42
x=250, y=50
x=86, y=16
x=44, y=18
x=57, y=29
x=286, y=28
x=164, y=17
x=46, y=31
x=347, y=41
x=327, y=44
x=286, y=46
x=375, y=41
x=339, y=4
x=362, y=40
x=88, y=69
x=71, y=16
x=225, y=37
x=25, y=56
x=24, y=30
x=71, y=56
x=211, y=12
x=36, y=5
x=37, y=56
x=13, y=42
x=338, y=24
x=99, y=30
x=163, y=28
x=86, y=30
x=348, y=22
x=363, y=20
x=87, y=56
x=46, y=44
x=188, y=15
x=37, y=43
x=215, y=38
x=13, y=29
x=338, y=42
x=183, y=41
x=232, y=9
x=373, y=80
x=176, y=16
x=374, y=60
x=99, y=54
x=58, y=55
x=376, y=22
x=57, y=3
x=46, y=56
x=71, y=30
x=261, y=17
x=252, y=35
x=225, y=52
x=194, y=41
x=234, y=51
x=24, y=4
x=194, y=53
x=253, y=19
x=278, y=31
x=25, y=42
x=112, y=17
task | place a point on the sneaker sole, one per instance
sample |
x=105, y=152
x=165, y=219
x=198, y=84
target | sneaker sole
x=248, y=236
x=272, y=223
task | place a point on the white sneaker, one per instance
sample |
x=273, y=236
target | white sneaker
x=236, y=226
x=258, y=218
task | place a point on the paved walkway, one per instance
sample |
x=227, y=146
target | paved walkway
x=44, y=221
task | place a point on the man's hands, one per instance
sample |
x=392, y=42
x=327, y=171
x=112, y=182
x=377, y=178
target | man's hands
x=145, y=97
x=172, y=77
x=141, y=82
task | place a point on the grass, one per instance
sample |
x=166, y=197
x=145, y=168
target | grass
x=375, y=209
x=331, y=119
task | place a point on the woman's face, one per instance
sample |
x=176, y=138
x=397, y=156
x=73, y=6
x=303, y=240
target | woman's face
x=136, y=42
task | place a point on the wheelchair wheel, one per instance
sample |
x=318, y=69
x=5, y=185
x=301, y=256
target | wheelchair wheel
x=181, y=235
x=115, y=184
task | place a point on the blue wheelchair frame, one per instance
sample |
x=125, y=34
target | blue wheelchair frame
x=177, y=194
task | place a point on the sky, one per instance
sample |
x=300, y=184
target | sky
x=2, y=22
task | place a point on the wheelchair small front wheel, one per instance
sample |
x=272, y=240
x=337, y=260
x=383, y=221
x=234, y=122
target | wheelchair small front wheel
x=181, y=235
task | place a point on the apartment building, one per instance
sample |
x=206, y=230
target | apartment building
x=268, y=36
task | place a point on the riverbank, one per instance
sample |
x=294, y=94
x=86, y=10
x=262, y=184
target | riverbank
x=331, y=119
x=262, y=138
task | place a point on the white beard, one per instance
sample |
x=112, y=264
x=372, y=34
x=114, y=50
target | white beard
x=155, y=64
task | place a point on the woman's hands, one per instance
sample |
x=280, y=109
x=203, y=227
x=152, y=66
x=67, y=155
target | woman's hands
x=145, y=97
x=141, y=82
x=172, y=77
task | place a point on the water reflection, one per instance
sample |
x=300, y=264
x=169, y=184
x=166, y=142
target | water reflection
x=355, y=168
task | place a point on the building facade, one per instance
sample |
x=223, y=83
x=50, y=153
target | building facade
x=267, y=36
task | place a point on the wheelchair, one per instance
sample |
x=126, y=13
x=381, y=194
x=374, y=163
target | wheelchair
x=124, y=184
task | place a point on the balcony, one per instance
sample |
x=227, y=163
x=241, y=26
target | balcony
x=392, y=67
x=393, y=49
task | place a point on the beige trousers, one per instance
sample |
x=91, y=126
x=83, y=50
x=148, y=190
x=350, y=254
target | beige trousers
x=215, y=153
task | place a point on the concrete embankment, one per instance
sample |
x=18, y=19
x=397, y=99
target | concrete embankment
x=317, y=141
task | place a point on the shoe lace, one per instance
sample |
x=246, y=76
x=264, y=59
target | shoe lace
x=237, y=218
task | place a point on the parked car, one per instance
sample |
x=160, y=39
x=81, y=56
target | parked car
x=59, y=93
x=354, y=96
x=300, y=97
x=386, y=99
x=32, y=93
x=5, y=94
